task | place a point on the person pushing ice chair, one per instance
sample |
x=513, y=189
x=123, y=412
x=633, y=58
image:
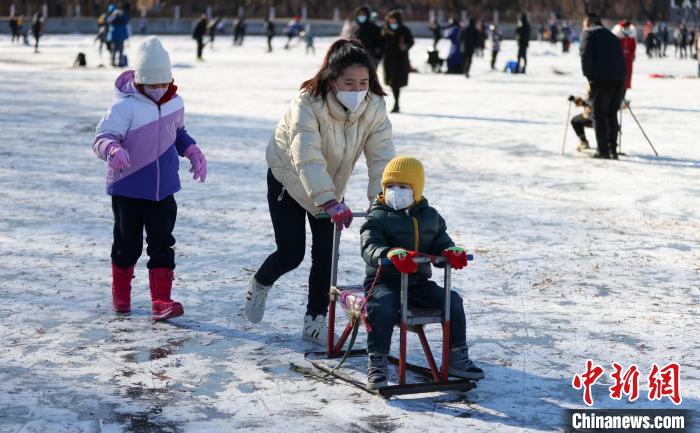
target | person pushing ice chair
x=403, y=228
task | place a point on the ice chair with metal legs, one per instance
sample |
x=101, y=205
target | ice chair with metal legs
x=351, y=299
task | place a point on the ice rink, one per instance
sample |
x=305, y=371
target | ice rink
x=575, y=258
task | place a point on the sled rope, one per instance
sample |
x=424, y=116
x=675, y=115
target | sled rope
x=355, y=328
x=356, y=324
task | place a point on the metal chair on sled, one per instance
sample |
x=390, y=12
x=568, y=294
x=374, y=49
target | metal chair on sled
x=352, y=299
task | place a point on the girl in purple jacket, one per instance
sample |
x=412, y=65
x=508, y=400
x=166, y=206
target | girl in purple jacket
x=141, y=137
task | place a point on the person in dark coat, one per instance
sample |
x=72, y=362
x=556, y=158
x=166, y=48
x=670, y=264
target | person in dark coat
x=483, y=35
x=495, y=44
x=198, y=34
x=14, y=28
x=522, y=35
x=470, y=40
x=565, y=37
x=368, y=33
x=603, y=64
x=269, y=26
x=553, y=33
x=436, y=31
x=398, y=39
x=239, y=29
x=37, y=29
x=683, y=41
x=212, y=27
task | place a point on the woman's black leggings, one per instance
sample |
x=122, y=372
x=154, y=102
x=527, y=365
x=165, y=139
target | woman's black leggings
x=289, y=224
x=396, y=90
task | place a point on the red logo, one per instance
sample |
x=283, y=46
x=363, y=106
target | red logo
x=662, y=382
x=627, y=383
x=586, y=380
x=665, y=382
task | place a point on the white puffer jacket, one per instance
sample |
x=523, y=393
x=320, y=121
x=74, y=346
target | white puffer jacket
x=317, y=143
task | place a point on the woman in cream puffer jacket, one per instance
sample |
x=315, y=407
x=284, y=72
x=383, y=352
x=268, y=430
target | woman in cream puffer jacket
x=317, y=143
x=338, y=115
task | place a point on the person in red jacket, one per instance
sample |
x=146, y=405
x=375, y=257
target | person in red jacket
x=628, y=38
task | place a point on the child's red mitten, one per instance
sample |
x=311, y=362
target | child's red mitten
x=403, y=260
x=456, y=257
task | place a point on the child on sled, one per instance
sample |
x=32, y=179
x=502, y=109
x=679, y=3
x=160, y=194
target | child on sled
x=401, y=225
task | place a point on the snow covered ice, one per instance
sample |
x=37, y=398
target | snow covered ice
x=575, y=258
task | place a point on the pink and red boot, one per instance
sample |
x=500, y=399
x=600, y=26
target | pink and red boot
x=121, y=288
x=161, y=284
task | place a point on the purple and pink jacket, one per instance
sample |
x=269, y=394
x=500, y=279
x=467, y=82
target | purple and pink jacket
x=153, y=135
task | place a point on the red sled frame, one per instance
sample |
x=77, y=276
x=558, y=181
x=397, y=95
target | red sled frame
x=412, y=319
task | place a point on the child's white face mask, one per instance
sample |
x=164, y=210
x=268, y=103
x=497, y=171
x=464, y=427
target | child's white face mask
x=398, y=197
x=156, y=93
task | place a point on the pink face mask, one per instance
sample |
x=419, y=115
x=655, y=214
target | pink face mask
x=155, y=93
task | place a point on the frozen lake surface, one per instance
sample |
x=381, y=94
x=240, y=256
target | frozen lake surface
x=575, y=258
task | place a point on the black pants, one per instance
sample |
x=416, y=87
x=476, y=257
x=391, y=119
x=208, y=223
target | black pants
x=396, y=90
x=494, y=55
x=288, y=222
x=200, y=46
x=117, y=52
x=131, y=215
x=606, y=97
x=522, y=55
x=579, y=123
x=468, y=61
x=383, y=311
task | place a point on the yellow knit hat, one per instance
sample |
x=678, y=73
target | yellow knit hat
x=408, y=170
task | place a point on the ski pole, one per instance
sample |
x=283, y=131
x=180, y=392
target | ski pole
x=642, y=129
x=566, y=127
x=619, y=132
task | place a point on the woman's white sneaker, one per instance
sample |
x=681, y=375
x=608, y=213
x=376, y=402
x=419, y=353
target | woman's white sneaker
x=255, y=299
x=315, y=329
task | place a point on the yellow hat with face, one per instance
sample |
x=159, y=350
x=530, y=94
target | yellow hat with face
x=408, y=170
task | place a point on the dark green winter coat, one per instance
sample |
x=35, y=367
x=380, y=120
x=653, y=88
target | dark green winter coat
x=418, y=228
x=396, y=63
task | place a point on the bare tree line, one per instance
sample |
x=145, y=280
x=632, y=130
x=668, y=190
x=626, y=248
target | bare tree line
x=413, y=9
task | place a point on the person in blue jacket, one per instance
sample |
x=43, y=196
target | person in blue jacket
x=118, y=33
x=455, y=62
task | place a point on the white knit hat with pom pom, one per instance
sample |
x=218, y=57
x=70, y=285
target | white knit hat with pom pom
x=152, y=63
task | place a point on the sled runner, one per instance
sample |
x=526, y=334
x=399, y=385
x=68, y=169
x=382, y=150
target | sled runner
x=351, y=299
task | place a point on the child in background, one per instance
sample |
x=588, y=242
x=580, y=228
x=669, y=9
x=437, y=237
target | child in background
x=140, y=137
x=495, y=45
x=308, y=35
x=400, y=225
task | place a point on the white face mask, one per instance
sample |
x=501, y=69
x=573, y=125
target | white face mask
x=155, y=93
x=361, y=19
x=351, y=100
x=398, y=198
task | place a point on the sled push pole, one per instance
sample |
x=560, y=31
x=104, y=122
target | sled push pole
x=335, y=292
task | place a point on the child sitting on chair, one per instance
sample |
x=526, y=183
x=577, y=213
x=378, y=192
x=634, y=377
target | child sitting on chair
x=400, y=225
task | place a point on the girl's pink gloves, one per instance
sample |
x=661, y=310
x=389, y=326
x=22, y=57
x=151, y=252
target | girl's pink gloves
x=199, y=163
x=118, y=158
